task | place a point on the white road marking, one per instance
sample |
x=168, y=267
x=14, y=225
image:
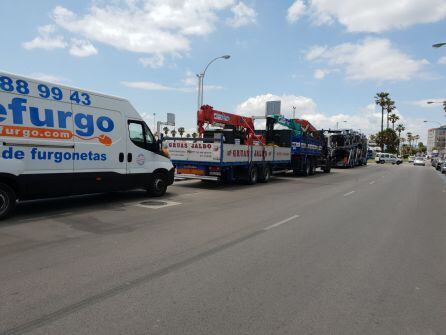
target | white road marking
x=281, y=222
x=372, y=182
x=349, y=193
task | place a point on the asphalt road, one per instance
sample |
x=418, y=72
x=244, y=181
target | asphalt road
x=360, y=251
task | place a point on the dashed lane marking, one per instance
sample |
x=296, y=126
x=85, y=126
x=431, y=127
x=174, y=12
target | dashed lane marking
x=349, y=193
x=281, y=222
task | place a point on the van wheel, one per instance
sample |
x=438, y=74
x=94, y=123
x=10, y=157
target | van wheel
x=312, y=168
x=7, y=201
x=265, y=174
x=252, y=175
x=158, y=185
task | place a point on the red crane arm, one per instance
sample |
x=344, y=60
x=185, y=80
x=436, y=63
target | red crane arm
x=207, y=114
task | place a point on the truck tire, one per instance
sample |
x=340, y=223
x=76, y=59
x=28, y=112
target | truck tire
x=307, y=169
x=264, y=174
x=252, y=175
x=158, y=185
x=327, y=169
x=7, y=201
x=312, y=168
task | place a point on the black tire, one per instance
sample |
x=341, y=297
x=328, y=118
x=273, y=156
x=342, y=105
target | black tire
x=7, y=201
x=265, y=174
x=252, y=175
x=158, y=185
x=307, y=169
x=327, y=169
x=312, y=169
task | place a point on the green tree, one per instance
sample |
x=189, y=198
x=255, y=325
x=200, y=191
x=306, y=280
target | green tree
x=173, y=132
x=393, y=118
x=181, y=131
x=389, y=139
x=187, y=135
x=390, y=106
x=381, y=100
x=409, y=138
x=194, y=135
x=166, y=130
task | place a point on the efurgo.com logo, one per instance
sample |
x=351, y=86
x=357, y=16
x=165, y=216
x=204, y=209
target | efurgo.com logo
x=51, y=124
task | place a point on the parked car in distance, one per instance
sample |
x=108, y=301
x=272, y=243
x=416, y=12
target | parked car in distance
x=411, y=159
x=440, y=162
x=419, y=161
x=443, y=167
x=388, y=158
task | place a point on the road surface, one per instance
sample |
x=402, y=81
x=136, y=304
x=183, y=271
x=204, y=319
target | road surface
x=359, y=251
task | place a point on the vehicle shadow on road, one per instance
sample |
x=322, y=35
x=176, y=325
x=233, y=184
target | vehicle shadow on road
x=28, y=211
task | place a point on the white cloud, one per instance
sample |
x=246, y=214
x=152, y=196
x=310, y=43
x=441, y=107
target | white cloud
x=424, y=103
x=82, y=48
x=371, y=59
x=147, y=85
x=154, y=62
x=46, y=39
x=376, y=16
x=442, y=60
x=315, y=52
x=47, y=77
x=320, y=73
x=154, y=27
x=295, y=11
x=243, y=15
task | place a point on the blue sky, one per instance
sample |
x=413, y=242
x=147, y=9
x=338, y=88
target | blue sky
x=327, y=58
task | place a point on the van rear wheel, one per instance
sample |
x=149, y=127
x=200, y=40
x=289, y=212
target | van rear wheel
x=158, y=185
x=7, y=201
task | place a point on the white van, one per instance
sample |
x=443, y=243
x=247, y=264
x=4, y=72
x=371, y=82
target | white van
x=57, y=140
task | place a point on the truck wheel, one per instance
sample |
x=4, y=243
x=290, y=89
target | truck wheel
x=312, y=169
x=265, y=174
x=327, y=169
x=7, y=201
x=252, y=175
x=158, y=185
x=307, y=169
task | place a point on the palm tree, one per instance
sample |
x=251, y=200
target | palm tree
x=187, y=135
x=194, y=135
x=389, y=107
x=393, y=118
x=409, y=138
x=181, y=131
x=399, y=129
x=173, y=132
x=166, y=130
x=381, y=100
x=416, y=138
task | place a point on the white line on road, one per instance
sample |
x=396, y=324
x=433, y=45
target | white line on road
x=281, y=222
x=372, y=182
x=349, y=193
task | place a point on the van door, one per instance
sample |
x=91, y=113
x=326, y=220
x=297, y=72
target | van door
x=142, y=153
x=100, y=148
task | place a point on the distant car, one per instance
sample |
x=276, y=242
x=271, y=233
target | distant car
x=387, y=158
x=439, y=164
x=443, y=167
x=411, y=159
x=419, y=161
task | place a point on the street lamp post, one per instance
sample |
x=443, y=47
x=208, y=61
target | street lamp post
x=201, y=80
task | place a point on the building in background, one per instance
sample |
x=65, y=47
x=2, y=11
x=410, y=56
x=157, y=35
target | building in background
x=436, y=139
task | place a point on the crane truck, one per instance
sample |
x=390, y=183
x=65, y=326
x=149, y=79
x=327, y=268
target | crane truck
x=235, y=151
